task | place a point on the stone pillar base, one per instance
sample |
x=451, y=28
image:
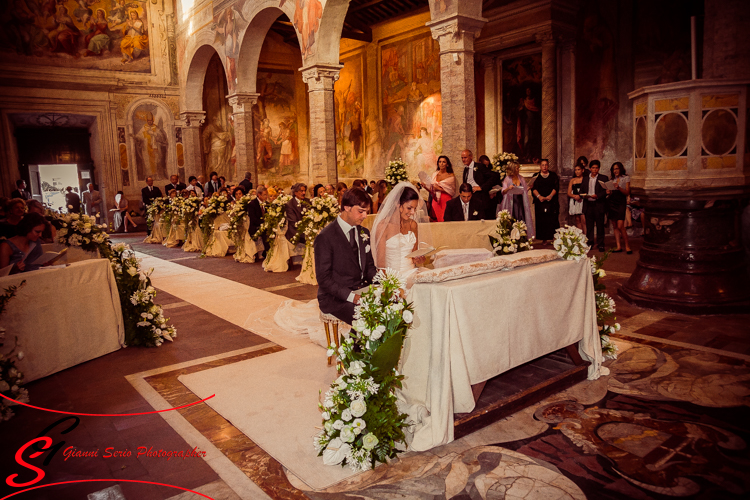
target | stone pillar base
x=691, y=261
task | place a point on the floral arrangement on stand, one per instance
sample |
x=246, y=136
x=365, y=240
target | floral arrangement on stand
x=11, y=379
x=395, y=172
x=321, y=212
x=570, y=243
x=216, y=206
x=145, y=324
x=500, y=163
x=273, y=219
x=172, y=215
x=189, y=213
x=157, y=206
x=236, y=215
x=362, y=424
x=511, y=235
x=80, y=230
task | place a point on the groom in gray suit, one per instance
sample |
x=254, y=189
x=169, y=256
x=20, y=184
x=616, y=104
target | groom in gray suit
x=343, y=257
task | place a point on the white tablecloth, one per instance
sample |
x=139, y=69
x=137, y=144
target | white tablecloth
x=469, y=330
x=63, y=317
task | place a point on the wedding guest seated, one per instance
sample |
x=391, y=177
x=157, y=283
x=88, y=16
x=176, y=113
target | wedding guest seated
x=318, y=190
x=15, y=211
x=24, y=248
x=174, y=184
x=173, y=193
x=340, y=188
x=121, y=214
x=330, y=189
x=272, y=194
x=379, y=198
x=238, y=193
x=464, y=208
x=294, y=210
x=50, y=233
x=185, y=193
x=72, y=201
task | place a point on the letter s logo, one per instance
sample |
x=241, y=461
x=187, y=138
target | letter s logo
x=19, y=459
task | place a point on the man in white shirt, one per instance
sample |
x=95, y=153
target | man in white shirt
x=92, y=201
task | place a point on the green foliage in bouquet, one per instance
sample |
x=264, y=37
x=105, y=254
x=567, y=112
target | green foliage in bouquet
x=395, y=172
x=189, y=214
x=510, y=235
x=236, y=215
x=215, y=206
x=273, y=219
x=157, y=206
x=11, y=378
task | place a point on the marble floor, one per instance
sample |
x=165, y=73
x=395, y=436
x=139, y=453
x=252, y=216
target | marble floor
x=670, y=419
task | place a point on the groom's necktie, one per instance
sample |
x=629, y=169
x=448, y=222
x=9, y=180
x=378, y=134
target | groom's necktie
x=353, y=241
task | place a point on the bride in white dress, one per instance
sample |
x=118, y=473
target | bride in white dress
x=394, y=235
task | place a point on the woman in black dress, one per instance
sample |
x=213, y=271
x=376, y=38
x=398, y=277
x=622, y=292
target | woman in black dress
x=617, y=202
x=546, y=207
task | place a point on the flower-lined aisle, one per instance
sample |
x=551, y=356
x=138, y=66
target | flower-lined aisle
x=361, y=421
x=570, y=243
x=11, y=378
x=272, y=230
x=322, y=211
x=145, y=325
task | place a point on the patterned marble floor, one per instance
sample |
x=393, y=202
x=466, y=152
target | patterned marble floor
x=670, y=420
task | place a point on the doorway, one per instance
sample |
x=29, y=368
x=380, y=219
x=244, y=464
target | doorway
x=54, y=179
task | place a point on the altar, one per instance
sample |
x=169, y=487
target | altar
x=471, y=329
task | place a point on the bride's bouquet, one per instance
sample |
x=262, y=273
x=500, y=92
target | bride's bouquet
x=361, y=421
x=395, y=172
x=321, y=212
x=511, y=235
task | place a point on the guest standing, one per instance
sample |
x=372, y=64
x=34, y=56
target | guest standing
x=150, y=192
x=464, y=208
x=443, y=187
x=91, y=201
x=255, y=212
x=493, y=199
x=15, y=209
x=72, y=201
x=20, y=191
x=24, y=248
x=294, y=210
x=546, y=206
x=575, y=204
x=617, y=203
x=594, y=207
x=517, y=204
x=245, y=183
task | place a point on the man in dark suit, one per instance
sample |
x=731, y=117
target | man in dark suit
x=255, y=212
x=20, y=191
x=174, y=184
x=72, y=201
x=246, y=184
x=479, y=176
x=343, y=257
x=465, y=207
x=150, y=192
x=294, y=210
x=213, y=185
x=594, y=206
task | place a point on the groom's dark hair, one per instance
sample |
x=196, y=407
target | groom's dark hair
x=355, y=196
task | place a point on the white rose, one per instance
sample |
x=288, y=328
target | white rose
x=369, y=441
x=348, y=434
x=358, y=425
x=346, y=415
x=515, y=234
x=328, y=403
x=325, y=415
x=338, y=425
x=367, y=249
x=356, y=368
x=408, y=316
x=358, y=408
x=336, y=452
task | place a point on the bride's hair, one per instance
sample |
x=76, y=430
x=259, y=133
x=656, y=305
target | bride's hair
x=408, y=195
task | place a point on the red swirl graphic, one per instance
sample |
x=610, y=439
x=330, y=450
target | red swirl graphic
x=106, y=414
x=105, y=480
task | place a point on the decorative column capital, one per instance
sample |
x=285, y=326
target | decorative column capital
x=243, y=101
x=320, y=76
x=547, y=37
x=488, y=63
x=456, y=33
x=193, y=118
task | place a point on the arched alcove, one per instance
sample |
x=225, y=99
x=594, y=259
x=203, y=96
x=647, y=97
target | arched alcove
x=217, y=132
x=196, y=75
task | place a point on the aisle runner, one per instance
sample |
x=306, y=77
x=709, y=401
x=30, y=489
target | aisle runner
x=273, y=400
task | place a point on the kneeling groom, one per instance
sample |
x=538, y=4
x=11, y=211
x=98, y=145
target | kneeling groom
x=343, y=258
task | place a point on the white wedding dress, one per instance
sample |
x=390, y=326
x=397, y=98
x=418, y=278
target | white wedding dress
x=304, y=318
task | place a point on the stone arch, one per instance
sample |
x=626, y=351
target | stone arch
x=196, y=75
x=327, y=41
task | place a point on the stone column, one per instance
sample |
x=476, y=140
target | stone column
x=456, y=36
x=320, y=79
x=549, y=97
x=490, y=106
x=191, y=141
x=242, y=107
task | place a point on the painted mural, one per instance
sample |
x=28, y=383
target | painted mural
x=412, y=106
x=277, y=152
x=522, y=107
x=150, y=142
x=228, y=23
x=218, y=131
x=350, y=143
x=107, y=35
x=306, y=19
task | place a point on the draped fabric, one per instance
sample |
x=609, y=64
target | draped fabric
x=277, y=258
x=307, y=275
x=157, y=234
x=248, y=249
x=194, y=240
x=219, y=243
x=175, y=236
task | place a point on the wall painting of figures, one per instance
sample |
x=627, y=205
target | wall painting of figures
x=150, y=142
x=218, y=130
x=276, y=131
x=348, y=94
x=110, y=35
x=522, y=107
x=412, y=106
x=228, y=24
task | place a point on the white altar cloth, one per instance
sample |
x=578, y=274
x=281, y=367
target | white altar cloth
x=469, y=330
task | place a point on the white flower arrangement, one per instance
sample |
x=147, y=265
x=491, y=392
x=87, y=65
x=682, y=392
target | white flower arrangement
x=570, y=243
x=172, y=214
x=236, y=215
x=510, y=235
x=361, y=421
x=395, y=172
x=76, y=230
x=189, y=213
x=11, y=378
x=215, y=206
x=157, y=206
x=500, y=163
x=321, y=211
x=274, y=219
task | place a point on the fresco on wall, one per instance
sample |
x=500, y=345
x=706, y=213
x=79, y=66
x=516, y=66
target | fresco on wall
x=522, y=107
x=412, y=107
x=306, y=19
x=276, y=133
x=350, y=143
x=228, y=23
x=107, y=35
x=150, y=141
x=218, y=130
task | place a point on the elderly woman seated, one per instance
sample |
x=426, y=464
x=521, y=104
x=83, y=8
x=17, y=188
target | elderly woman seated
x=25, y=247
